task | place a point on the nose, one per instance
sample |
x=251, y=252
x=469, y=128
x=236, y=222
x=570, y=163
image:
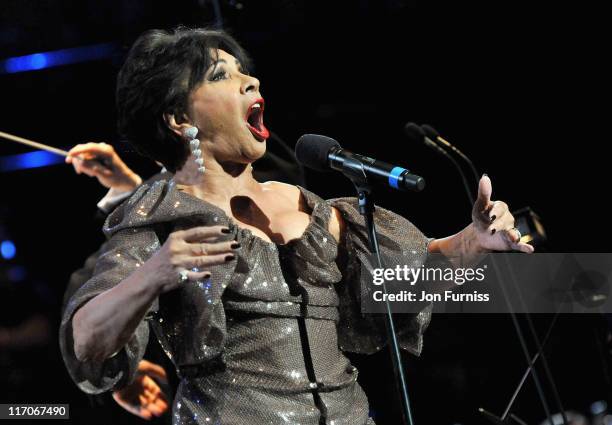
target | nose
x=249, y=84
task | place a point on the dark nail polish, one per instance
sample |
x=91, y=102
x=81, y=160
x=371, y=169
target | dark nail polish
x=229, y=258
x=225, y=230
x=235, y=245
x=207, y=276
x=485, y=174
x=493, y=217
x=493, y=231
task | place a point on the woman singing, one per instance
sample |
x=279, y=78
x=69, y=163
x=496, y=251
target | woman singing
x=251, y=288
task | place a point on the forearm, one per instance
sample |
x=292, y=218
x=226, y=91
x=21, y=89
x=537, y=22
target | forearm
x=461, y=249
x=105, y=324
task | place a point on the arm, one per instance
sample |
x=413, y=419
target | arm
x=104, y=324
x=115, y=174
x=492, y=229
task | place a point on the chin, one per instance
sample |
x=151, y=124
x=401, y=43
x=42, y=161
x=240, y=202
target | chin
x=256, y=151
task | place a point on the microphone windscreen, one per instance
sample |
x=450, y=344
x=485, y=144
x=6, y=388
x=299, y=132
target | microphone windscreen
x=312, y=151
x=430, y=132
x=414, y=132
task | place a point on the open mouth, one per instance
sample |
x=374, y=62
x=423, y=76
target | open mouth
x=254, y=120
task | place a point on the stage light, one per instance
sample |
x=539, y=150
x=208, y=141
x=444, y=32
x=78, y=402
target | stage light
x=38, y=61
x=26, y=63
x=29, y=160
x=8, y=250
x=530, y=226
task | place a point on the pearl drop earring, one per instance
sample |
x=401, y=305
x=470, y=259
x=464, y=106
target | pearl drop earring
x=194, y=146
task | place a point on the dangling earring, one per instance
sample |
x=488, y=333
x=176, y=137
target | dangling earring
x=194, y=146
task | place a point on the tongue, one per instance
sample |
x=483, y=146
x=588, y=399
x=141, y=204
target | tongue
x=260, y=133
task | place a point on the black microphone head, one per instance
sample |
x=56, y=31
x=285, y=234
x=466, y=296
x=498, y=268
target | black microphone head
x=430, y=132
x=312, y=151
x=414, y=132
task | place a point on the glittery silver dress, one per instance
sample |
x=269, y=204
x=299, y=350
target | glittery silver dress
x=261, y=341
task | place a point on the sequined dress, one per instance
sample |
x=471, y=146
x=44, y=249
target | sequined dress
x=261, y=341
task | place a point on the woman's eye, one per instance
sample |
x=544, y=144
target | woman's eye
x=219, y=75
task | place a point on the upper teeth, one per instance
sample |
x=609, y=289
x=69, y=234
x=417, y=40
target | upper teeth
x=257, y=105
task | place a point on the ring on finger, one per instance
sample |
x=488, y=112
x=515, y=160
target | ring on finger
x=183, y=276
x=518, y=232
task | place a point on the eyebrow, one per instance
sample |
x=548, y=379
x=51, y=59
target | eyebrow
x=213, y=65
x=225, y=62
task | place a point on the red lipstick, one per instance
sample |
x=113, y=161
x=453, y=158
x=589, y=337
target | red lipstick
x=254, y=120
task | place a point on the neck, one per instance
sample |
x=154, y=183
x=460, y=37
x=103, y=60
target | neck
x=219, y=183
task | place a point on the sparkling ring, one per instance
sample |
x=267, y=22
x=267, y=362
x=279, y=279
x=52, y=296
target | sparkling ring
x=519, y=234
x=183, y=276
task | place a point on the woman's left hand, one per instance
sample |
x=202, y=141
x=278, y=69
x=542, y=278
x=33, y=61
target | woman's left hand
x=494, y=224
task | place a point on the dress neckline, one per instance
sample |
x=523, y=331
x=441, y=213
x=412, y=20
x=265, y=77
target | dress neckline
x=250, y=235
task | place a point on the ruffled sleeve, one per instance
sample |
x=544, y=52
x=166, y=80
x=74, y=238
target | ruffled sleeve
x=397, y=238
x=124, y=252
x=189, y=322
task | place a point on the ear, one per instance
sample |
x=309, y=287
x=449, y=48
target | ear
x=175, y=126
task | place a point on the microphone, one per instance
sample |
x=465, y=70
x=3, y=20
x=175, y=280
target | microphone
x=416, y=133
x=322, y=153
x=432, y=134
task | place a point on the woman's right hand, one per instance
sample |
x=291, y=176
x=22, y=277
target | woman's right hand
x=190, y=252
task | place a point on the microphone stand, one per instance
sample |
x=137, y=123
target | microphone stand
x=354, y=170
x=519, y=332
x=448, y=156
x=512, y=419
x=507, y=416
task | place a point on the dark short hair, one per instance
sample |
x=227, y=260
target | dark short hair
x=161, y=70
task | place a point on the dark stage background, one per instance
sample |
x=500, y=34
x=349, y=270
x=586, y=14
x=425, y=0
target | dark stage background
x=519, y=86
